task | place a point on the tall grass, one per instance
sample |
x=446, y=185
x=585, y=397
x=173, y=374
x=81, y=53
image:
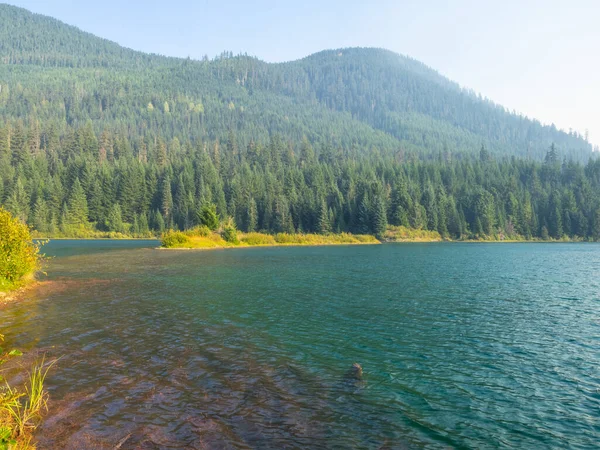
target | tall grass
x=22, y=411
x=404, y=234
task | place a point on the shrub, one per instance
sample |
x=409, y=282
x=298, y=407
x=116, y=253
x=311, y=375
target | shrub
x=19, y=255
x=258, y=239
x=230, y=235
x=174, y=239
x=200, y=230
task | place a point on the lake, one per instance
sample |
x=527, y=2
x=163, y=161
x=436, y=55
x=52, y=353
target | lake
x=462, y=346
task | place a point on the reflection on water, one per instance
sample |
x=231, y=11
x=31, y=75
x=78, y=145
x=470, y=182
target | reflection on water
x=479, y=346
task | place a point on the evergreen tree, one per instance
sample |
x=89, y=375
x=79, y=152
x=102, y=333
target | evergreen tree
x=364, y=216
x=252, y=216
x=323, y=220
x=77, y=216
x=41, y=217
x=166, y=204
x=208, y=216
x=379, y=215
x=114, y=220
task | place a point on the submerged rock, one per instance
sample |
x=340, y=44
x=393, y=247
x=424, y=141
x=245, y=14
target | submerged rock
x=355, y=373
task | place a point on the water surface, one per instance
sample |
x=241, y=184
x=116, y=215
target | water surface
x=462, y=345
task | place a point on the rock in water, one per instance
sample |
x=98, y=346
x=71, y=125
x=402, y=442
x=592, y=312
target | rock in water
x=355, y=372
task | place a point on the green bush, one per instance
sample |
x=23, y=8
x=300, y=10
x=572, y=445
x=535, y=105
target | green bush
x=208, y=216
x=200, y=230
x=258, y=239
x=19, y=255
x=230, y=235
x=174, y=239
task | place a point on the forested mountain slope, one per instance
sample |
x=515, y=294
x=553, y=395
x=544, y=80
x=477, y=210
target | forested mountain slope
x=350, y=97
x=97, y=137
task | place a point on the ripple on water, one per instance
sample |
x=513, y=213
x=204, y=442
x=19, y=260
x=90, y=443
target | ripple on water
x=477, y=346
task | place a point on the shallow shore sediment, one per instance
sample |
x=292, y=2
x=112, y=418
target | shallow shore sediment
x=14, y=295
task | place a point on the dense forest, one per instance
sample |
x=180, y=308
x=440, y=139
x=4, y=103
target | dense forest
x=94, y=136
x=82, y=181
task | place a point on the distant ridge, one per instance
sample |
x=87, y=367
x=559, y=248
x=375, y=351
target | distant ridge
x=355, y=97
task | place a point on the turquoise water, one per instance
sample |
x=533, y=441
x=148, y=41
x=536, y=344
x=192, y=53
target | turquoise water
x=462, y=346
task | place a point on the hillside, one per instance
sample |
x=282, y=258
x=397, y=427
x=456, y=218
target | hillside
x=96, y=139
x=350, y=97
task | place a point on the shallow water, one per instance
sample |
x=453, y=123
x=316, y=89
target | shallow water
x=462, y=345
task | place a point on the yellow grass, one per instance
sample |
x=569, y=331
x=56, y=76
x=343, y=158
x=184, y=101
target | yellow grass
x=404, y=234
x=188, y=239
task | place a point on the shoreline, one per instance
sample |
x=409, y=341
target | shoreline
x=384, y=241
x=231, y=247
x=96, y=239
x=15, y=295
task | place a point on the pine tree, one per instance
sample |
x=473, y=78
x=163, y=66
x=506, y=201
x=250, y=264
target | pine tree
x=555, y=228
x=5, y=145
x=551, y=155
x=77, y=206
x=18, y=202
x=379, y=215
x=40, y=215
x=364, y=216
x=282, y=219
x=143, y=224
x=252, y=216
x=17, y=145
x=166, y=199
x=323, y=220
x=114, y=220
x=208, y=216
x=596, y=225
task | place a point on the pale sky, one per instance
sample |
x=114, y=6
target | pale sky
x=540, y=58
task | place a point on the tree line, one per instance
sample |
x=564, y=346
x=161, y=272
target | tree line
x=80, y=181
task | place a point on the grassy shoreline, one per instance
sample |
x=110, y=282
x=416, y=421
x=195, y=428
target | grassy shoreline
x=96, y=235
x=394, y=234
x=200, y=238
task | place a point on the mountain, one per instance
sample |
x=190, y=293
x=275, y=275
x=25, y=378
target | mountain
x=97, y=138
x=350, y=98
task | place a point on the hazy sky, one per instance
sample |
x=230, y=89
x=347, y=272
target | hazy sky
x=538, y=57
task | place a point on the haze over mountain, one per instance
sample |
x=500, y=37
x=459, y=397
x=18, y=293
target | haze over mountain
x=349, y=97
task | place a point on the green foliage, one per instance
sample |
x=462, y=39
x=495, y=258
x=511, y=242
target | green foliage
x=208, y=216
x=318, y=239
x=172, y=239
x=257, y=239
x=201, y=230
x=95, y=138
x=230, y=235
x=363, y=97
x=19, y=256
x=114, y=220
x=404, y=234
x=324, y=223
x=21, y=410
x=379, y=215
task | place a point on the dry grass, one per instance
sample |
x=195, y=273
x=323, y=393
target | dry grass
x=191, y=239
x=404, y=234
